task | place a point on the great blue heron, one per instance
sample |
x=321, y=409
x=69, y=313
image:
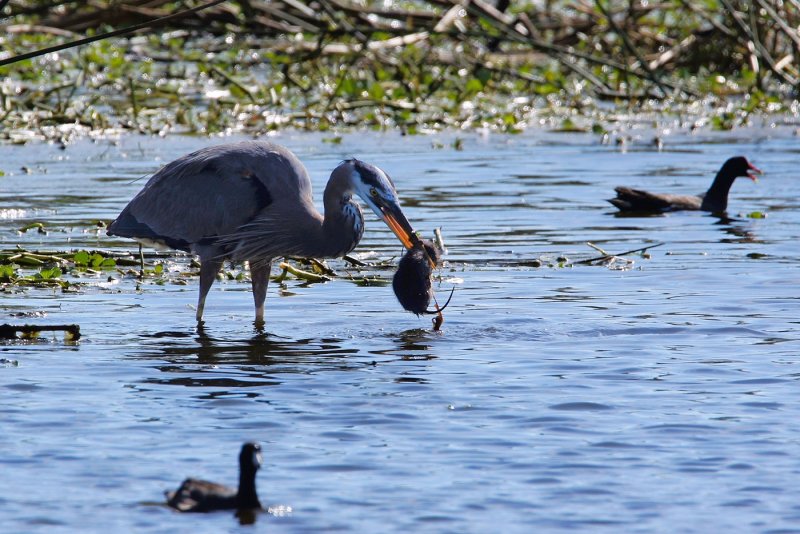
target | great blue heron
x=714, y=200
x=252, y=201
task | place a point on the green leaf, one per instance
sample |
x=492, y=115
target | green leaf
x=376, y=91
x=723, y=121
x=348, y=87
x=81, y=258
x=483, y=75
x=7, y=273
x=474, y=86
x=49, y=273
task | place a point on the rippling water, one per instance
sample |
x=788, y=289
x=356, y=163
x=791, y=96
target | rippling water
x=659, y=397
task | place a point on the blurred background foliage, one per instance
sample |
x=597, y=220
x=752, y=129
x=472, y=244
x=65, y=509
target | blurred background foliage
x=254, y=66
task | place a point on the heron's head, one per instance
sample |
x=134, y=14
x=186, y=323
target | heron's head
x=377, y=191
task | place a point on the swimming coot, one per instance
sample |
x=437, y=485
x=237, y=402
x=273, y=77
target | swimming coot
x=714, y=200
x=203, y=496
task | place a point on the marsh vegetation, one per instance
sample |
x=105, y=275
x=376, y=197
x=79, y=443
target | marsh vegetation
x=252, y=67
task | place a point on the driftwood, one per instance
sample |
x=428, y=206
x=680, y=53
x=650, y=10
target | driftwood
x=10, y=331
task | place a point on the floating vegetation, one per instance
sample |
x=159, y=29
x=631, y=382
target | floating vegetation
x=24, y=268
x=95, y=260
x=412, y=66
x=756, y=215
x=20, y=268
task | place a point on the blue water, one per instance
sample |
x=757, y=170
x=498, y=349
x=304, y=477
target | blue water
x=656, y=396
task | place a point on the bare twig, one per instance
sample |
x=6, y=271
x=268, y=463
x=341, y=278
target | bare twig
x=651, y=74
x=107, y=35
x=606, y=256
x=759, y=49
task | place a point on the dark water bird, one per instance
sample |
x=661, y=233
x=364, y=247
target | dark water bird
x=412, y=281
x=202, y=496
x=252, y=201
x=714, y=200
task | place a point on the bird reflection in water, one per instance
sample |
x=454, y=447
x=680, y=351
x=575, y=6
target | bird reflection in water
x=736, y=228
x=236, y=366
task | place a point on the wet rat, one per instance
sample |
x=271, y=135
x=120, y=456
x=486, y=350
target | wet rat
x=412, y=281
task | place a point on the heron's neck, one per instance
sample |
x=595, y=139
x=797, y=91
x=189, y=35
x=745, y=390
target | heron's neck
x=343, y=224
x=716, y=198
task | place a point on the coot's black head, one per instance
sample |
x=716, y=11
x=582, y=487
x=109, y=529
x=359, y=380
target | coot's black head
x=250, y=457
x=739, y=166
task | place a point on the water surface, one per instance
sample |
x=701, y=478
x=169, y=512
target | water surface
x=661, y=397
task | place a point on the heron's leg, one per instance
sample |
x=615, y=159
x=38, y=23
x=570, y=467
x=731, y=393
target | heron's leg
x=208, y=272
x=141, y=262
x=259, y=273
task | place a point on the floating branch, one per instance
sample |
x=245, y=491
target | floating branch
x=304, y=275
x=9, y=331
x=607, y=256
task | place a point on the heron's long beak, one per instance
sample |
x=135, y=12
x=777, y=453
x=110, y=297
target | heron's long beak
x=399, y=225
x=755, y=170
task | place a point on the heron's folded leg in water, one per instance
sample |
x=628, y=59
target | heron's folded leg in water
x=259, y=273
x=208, y=272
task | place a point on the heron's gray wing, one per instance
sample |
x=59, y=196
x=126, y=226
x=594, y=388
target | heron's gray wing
x=212, y=192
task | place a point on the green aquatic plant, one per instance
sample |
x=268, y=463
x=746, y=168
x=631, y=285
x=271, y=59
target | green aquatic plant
x=49, y=273
x=756, y=215
x=8, y=272
x=94, y=260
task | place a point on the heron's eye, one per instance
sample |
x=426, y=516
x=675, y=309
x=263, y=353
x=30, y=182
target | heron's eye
x=373, y=192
